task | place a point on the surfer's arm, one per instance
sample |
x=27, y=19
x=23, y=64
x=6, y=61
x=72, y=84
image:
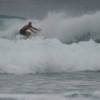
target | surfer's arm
x=35, y=29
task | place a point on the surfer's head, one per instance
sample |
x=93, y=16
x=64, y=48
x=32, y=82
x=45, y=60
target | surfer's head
x=30, y=23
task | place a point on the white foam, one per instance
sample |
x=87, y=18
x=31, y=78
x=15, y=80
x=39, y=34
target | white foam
x=57, y=25
x=71, y=29
x=49, y=55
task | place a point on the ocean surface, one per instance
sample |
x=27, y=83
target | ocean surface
x=83, y=85
x=61, y=62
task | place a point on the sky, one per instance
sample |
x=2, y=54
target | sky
x=40, y=8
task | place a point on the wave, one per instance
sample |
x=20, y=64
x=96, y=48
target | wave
x=72, y=29
x=48, y=52
x=47, y=56
x=56, y=25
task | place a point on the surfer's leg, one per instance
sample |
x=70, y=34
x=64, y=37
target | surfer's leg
x=28, y=34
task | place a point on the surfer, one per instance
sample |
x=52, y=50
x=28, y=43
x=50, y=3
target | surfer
x=27, y=30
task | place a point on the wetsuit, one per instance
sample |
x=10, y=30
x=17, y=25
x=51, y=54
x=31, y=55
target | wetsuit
x=23, y=30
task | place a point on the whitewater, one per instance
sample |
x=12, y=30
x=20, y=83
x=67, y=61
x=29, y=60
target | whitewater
x=64, y=44
x=60, y=62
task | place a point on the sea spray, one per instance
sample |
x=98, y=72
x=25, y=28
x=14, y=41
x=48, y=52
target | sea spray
x=56, y=25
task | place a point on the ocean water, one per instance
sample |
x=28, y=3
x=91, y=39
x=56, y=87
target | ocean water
x=61, y=62
x=83, y=85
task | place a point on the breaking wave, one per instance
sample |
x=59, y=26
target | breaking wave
x=49, y=52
